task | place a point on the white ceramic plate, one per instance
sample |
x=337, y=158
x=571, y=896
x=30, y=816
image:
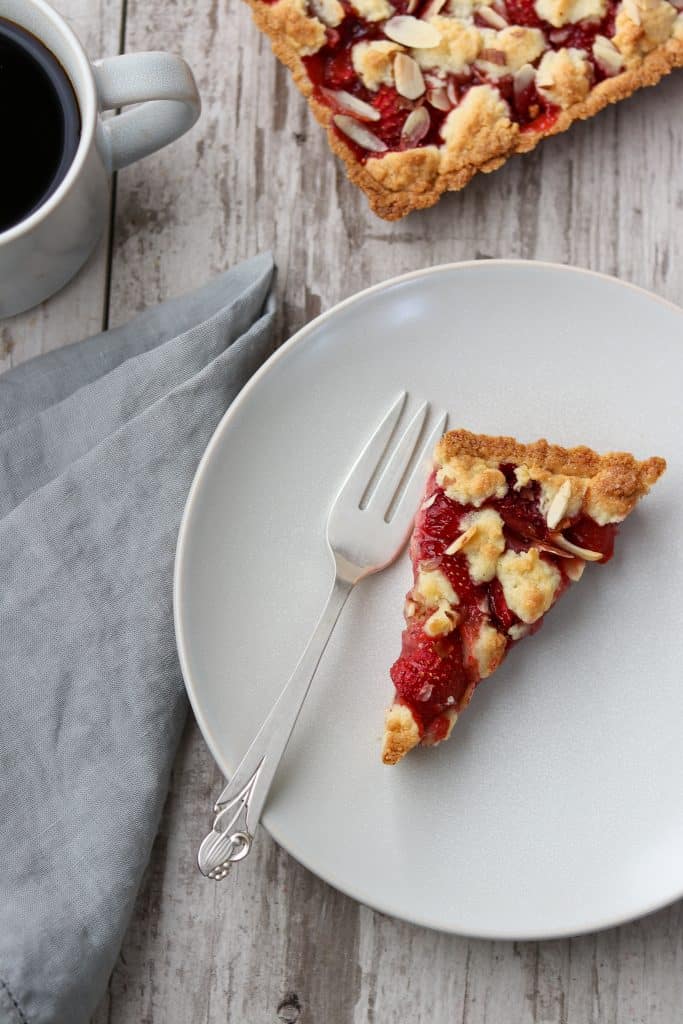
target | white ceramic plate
x=557, y=805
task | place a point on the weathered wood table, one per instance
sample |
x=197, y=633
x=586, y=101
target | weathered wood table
x=255, y=173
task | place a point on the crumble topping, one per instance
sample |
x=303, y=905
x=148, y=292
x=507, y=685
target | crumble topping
x=412, y=168
x=459, y=43
x=564, y=77
x=529, y=583
x=465, y=10
x=488, y=650
x=470, y=481
x=373, y=10
x=482, y=543
x=476, y=72
x=374, y=63
x=642, y=25
x=561, y=497
x=507, y=51
x=401, y=733
x=292, y=21
x=569, y=12
x=458, y=86
x=480, y=122
x=442, y=621
x=330, y=12
x=432, y=588
x=502, y=531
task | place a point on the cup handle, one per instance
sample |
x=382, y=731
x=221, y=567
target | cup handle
x=164, y=86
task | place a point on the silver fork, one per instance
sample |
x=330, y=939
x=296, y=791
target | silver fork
x=368, y=527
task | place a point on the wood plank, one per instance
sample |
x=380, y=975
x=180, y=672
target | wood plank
x=79, y=309
x=275, y=943
x=278, y=944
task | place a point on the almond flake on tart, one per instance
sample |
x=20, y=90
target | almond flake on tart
x=502, y=531
x=458, y=86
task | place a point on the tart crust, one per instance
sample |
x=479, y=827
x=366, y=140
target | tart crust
x=611, y=483
x=615, y=480
x=412, y=179
x=401, y=733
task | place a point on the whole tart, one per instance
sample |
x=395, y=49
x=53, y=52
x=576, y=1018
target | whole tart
x=503, y=530
x=419, y=95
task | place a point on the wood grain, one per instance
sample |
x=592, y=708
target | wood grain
x=278, y=945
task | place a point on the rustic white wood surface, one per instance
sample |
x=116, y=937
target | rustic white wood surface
x=276, y=944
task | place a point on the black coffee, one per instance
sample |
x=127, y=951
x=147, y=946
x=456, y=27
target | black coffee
x=40, y=124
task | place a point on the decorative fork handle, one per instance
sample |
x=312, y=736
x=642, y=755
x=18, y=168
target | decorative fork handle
x=238, y=808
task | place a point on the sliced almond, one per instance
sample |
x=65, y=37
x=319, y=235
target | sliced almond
x=460, y=541
x=409, y=609
x=630, y=8
x=433, y=8
x=551, y=549
x=439, y=99
x=606, y=55
x=412, y=5
x=574, y=549
x=452, y=93
x=559, y=35
x=408, y=77
x=558, y=506
x=330, y=12
x=347, y=101
x=428, y=503
x=412, y=32
x=521, y=81
x=359, y=134
x=574, y=569
x=416, y=127
x=492, y=18
x=434, y=81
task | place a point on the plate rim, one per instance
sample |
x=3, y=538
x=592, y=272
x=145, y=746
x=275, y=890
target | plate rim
x=180, y=555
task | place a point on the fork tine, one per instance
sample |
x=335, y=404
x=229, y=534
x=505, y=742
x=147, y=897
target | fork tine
x=415, y=482
x=388, y=483
x=356, y=483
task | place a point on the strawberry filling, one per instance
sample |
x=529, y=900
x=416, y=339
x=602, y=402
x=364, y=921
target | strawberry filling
x=331, y=69
x=436, y=675
x=430, y=674
x=588, y=534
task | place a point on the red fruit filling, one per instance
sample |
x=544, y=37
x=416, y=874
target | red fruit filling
x=331, y=68
x=588, y=534
x=394, y=110
x=430, y=675
x=435, y=675
x=523, y=12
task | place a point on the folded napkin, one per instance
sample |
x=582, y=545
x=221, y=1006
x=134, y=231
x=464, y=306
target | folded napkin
x=98, y=445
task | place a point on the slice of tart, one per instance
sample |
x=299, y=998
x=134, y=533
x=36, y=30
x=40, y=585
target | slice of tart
x=419, y=95
x=502, y=531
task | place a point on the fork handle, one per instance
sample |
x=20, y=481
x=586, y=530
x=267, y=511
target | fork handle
x=243, y=798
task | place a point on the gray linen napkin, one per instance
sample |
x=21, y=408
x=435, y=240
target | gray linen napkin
x=98, y=446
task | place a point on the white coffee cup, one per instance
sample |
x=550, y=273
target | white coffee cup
x=42, y=252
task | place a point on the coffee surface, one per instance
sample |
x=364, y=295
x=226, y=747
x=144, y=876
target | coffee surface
x=40, y=124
